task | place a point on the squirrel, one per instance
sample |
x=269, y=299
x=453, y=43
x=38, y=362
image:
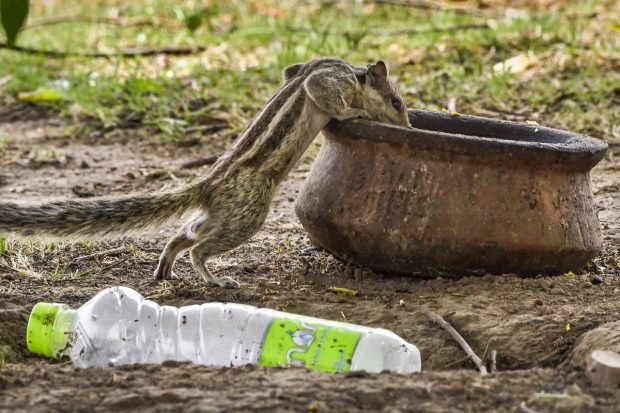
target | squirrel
x=233, y=198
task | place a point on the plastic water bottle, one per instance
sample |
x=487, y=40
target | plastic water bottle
x=118, y=326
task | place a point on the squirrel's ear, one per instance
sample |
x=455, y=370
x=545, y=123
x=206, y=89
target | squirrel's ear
x=381, y=68
x=291, y=71
x=377, y=72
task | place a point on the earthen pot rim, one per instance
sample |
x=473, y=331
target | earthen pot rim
x=444, y=134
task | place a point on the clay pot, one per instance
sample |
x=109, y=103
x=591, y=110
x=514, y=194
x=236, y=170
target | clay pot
x=454, y=195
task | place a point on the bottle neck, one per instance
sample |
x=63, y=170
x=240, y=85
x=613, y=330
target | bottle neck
x=64, y=331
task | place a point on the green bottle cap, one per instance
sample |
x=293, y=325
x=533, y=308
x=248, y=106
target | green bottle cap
x=40, y=334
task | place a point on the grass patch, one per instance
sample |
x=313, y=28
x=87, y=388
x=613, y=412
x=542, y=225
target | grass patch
x=5, y=352
x=572, y=80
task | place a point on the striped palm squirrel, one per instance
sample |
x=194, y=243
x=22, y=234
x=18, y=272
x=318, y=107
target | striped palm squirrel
x=233, y=199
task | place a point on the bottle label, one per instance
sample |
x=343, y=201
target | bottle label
x=315, y=346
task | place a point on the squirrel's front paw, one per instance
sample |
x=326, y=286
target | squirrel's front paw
x=363, y=115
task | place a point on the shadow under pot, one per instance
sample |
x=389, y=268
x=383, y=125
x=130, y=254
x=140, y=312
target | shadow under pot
x=454, y=195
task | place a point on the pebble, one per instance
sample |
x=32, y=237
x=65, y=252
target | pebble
x=596, y=280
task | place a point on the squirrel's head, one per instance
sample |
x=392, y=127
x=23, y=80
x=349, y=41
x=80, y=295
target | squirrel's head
x=380, y=96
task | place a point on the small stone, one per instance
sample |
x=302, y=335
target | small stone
x=488, y=277
x=477, y=271
x=538, y=302
x=596, y=280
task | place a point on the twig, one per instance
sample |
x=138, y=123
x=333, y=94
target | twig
x=447, y=29
x=436, y=7
x=47, y=21
x=209, y=160
x=133, y=52
x=455, y=362
x=107, y=253
x=114, y=264
x=486, y=348
x=424, y=5
x=437, y=319
x=493, y=363
x=211, y=128
x=397, y=32
x=113, y=253
x=151, y=250
x=308, y=251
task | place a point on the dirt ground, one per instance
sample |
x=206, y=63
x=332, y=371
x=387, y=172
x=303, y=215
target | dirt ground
x=532, y=323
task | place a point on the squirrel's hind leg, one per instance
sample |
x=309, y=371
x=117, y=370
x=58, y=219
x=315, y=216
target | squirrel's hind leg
x=199, y=256
x=238, y=214
x=177, y=244
x=222, y=232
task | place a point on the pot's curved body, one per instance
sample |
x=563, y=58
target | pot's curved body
x=454, y=194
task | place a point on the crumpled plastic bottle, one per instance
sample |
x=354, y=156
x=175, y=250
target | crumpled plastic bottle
x=118, y=326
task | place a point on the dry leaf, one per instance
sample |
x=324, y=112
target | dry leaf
x=345, y=292
x=516, y=64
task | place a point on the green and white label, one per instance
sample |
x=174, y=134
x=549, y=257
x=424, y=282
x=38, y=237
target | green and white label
x=315, y=346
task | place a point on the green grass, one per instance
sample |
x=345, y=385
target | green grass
x=573, y=81
x=5, y=352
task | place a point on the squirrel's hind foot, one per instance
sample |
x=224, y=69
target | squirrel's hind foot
x=164, y=270
x=224, y=282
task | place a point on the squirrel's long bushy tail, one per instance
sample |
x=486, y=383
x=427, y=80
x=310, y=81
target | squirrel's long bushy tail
x=98, y=216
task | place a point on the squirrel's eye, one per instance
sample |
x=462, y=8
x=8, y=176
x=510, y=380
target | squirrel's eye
x=396, y=103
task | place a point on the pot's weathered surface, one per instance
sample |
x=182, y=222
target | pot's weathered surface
x=454, y=194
